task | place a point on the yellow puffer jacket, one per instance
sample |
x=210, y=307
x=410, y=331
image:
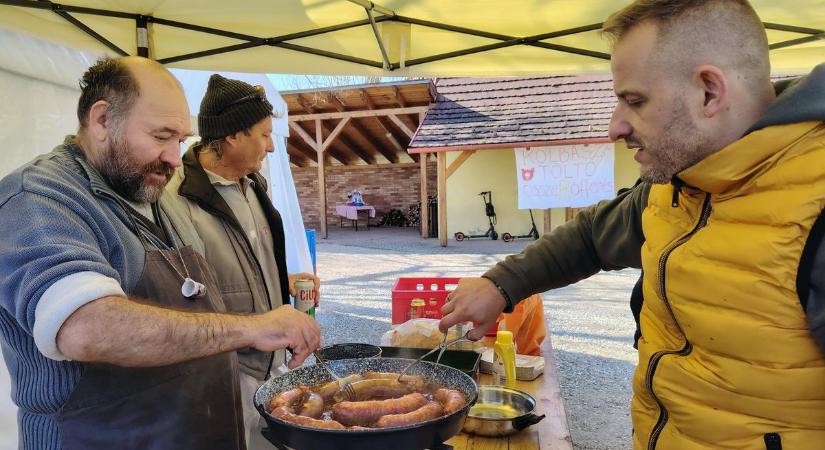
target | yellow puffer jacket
x=726, y=359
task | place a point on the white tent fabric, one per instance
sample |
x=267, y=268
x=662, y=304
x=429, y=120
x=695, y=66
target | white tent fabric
x=282, y=36
x=285, y=199
x=38, y=96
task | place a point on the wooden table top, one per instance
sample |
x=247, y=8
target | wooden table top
x=552, y=433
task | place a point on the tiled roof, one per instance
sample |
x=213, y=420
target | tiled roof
x=500, y=111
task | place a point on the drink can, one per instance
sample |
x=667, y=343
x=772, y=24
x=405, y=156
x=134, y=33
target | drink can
x=305, y=296
x=416, y=308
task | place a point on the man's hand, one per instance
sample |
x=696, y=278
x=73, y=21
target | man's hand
x=295, y=277
x=286, y=328
x=476, y=300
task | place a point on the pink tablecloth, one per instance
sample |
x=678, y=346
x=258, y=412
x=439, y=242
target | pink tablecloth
x=351, y=212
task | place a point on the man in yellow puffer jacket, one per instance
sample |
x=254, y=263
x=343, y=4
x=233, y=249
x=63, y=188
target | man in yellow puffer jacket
x=728, y=227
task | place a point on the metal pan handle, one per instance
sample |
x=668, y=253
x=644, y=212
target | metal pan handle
x=520, y=423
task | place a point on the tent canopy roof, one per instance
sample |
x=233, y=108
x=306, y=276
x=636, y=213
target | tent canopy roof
x=421, y=38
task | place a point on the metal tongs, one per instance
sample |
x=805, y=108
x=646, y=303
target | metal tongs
x=343, y=385
x=440, y=349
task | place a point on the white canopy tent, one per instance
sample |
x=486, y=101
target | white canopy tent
x=38, y=100
x=399, y=37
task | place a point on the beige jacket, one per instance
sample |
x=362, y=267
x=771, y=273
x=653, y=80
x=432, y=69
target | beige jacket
x=226, y=247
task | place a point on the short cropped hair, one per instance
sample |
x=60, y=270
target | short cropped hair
x=110, y=80
x=726, y=33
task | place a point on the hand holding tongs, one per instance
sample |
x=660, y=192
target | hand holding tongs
x=440, y=349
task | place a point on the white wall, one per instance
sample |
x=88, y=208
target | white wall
x=486, y=170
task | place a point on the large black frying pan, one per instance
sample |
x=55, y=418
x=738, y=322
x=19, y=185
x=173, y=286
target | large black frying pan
x=413, y=437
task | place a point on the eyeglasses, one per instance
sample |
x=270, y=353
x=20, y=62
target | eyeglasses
x=259, y=96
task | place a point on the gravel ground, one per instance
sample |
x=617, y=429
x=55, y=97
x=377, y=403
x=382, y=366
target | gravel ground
x=590, y=322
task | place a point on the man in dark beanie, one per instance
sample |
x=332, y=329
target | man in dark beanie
x=220, y=189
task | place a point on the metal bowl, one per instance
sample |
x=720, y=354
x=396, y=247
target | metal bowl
x=349, y=351
x=500, y=411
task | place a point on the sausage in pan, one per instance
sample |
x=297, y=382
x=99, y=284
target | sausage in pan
x=367, y=412
x=328, y=391
x=427, y=412
x=291, y=398
x=450, y=399
x=286, y=414
x=417, y=380
x=313, y=406
x=379, y=387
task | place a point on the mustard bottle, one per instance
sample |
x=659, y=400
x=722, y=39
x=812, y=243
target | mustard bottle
x=504, y=359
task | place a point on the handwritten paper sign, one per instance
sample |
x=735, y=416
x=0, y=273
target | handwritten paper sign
x=564, y=176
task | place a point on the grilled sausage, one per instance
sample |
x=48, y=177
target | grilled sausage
x=417, y=380
x=291, y=398
x=285, y=414
x=367, y=412
x=378, y=387
x=451, y=399
x=328, y=391
x=313, y=406
x=427, y=412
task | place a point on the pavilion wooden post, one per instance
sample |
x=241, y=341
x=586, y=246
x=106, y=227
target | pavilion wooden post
x=425, y=210
x=548, y=226
x=442, y=198
x=322, y=182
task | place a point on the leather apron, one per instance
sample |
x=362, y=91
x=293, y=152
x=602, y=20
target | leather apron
x=191, y=405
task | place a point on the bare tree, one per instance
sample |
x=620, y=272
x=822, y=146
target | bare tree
x=325, y=82
x=297, y=82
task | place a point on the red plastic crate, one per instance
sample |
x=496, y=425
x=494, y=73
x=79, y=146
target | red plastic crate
x=433, y=291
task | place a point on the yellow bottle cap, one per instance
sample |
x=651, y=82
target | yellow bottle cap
x=504, y=337
x=417, y=302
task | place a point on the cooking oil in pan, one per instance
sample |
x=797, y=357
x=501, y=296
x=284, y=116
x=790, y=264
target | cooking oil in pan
x=494, y=411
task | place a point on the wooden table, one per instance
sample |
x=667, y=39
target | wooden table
x=551, y=433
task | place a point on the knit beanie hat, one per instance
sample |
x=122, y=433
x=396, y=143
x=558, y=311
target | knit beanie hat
x=230, y=106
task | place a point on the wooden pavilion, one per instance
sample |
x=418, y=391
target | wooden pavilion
x=369, y=124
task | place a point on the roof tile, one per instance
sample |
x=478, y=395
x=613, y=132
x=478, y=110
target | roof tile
x=473, y=111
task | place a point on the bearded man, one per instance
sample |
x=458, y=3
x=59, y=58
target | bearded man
x=113, y=328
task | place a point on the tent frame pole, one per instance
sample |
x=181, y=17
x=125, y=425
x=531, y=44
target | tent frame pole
x=280, y=41
x=142, y=38
x=61, y=11
x=378, y=39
